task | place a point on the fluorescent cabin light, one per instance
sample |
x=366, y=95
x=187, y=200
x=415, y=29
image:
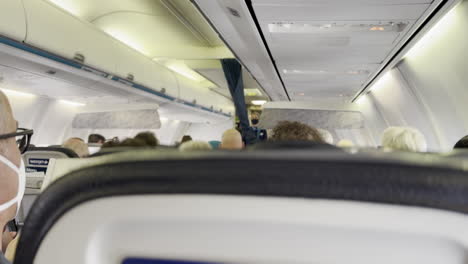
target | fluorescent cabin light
x=304, y=28
x=252, y=92
x=163, y=119
x=361, y=99
x=186, y=72
x=259, y=102
x=125, y=39
x=16, y=93
x=70, y=6
x=434, y=35
x=381, y=81
x=71, y=103
x=310, y=72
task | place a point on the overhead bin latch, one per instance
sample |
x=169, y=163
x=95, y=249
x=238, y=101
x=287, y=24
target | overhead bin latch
x=79, y=58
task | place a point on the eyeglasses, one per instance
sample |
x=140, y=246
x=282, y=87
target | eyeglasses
x=23, y=138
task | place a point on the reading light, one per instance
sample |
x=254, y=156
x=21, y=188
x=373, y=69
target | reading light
x=377, y=29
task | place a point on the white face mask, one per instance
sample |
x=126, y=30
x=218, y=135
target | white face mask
x=21, y=172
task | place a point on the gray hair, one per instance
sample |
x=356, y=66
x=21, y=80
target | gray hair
x=404, y=138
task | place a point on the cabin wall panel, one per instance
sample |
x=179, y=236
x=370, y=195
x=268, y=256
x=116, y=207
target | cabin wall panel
x=437, y=70
x=373, y=118
x=171, y=131
x=49, y=118
x=209, y=132
x=400, y=107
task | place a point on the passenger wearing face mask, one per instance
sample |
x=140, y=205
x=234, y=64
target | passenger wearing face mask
x=12, y=171
x=254, y=119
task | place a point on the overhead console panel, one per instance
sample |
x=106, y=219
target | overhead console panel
x=329, y=49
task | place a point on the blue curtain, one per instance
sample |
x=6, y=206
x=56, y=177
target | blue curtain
x=233, y=73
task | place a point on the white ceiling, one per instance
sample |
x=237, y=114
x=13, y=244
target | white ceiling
x=337, y=56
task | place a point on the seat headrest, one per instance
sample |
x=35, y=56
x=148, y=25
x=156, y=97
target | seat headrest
x=310, y=145
x=413, y=180
x=37, y=159
x=53, y=150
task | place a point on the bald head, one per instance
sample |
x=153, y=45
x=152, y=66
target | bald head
x=78, y=146
x=7, y=122
x=8, y=149
x=232, y=140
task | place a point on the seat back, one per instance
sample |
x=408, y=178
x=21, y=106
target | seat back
x=253, y=207
x=37, y=159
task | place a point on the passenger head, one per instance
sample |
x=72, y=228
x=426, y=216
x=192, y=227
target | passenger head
x=10, y=161
x=186, y=138
x=462, y=143
x=404, y=138
x=345, y=143
x=195, y=146
x=114, y=142
x=96, y=138
x=232, y=140
x=132, y=142
x=78, y=146
x=149, y=138
x=295, y=131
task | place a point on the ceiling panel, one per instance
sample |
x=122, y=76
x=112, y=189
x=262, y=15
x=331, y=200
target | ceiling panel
x=339, y=11
x=330, y=48
x=338, y=2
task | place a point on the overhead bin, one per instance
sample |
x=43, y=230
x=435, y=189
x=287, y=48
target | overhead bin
x=65, y=35
x=12, y=19
x=56, y=31
x=145, y=71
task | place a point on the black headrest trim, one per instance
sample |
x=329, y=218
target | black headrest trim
x=376, y=182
